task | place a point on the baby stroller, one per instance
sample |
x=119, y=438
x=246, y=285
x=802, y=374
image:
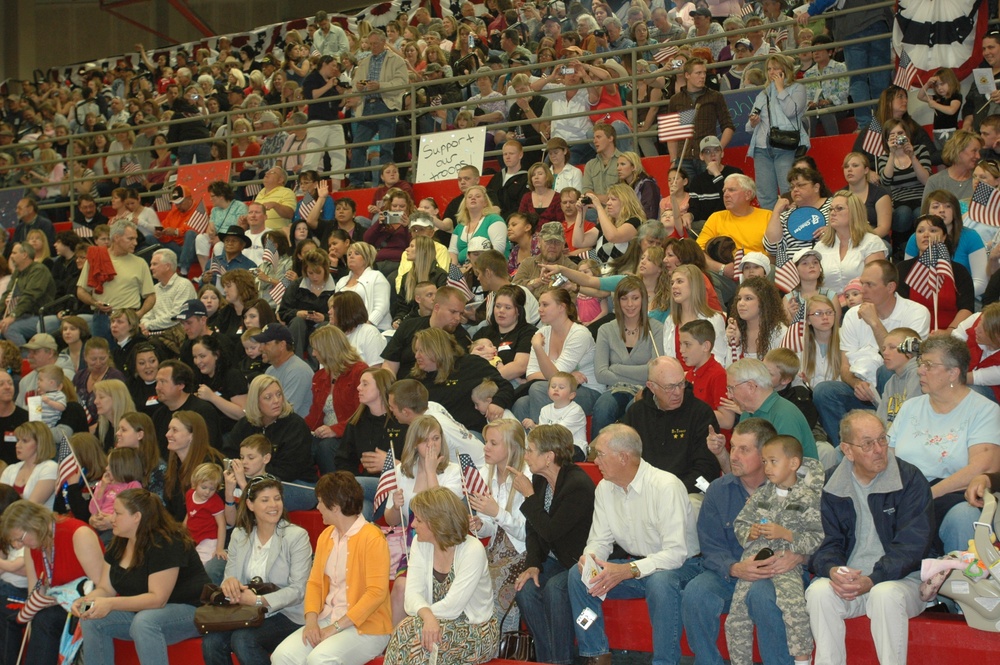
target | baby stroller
x=979, y=596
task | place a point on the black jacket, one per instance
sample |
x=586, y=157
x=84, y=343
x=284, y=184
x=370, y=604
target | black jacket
x=291, y=446
x=565, y=528
x=407, y=308
x=674, y=441
x=508, y=195
x=454, y=394
x=364, y=436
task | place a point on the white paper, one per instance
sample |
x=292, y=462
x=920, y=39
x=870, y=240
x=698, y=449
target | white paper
x=801, y=9
x=35, y=408
x=985, y=83
x=590, y=571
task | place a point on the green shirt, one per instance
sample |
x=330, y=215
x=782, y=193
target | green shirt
x=788, y=420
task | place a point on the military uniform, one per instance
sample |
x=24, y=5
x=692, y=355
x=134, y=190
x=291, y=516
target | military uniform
x=799, y=512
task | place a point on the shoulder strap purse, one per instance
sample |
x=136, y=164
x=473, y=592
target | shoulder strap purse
x=782, y=139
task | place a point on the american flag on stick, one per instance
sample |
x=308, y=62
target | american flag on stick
x=905, y=71
x=277, y=291
x=270, y=254
x=985, y=205
x=738, y=264
x=786, y=277
x=472, y=480
x=198, y=221
x=456, y=279
x=873, y=143
x=794, y=336
x=162, y=203
x=676, y=126
x=68, y=465
x=665, y=54
x=778, y=36
x=217, y=267
x=253, y=190
x=83, y=231
x=930, y=270
x=748, y=9
x=387, y=483
x=131, y=167
x=308, y=203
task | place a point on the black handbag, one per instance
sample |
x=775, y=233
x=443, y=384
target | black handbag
x=515, y=644
x=783, y=139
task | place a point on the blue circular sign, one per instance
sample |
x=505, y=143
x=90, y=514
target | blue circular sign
x=803, y=222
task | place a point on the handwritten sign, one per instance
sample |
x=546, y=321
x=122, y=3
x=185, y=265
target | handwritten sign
x=199, y=176
x=442, y=154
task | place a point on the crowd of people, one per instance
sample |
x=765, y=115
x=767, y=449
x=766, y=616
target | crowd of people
x=761, y=403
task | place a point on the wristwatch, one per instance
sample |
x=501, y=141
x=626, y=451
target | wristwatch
x=260, y=601
x=632, y=566
x=336, y=626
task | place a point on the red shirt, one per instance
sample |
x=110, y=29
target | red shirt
x=66, y=567
x=201, y=517
x=709, y=382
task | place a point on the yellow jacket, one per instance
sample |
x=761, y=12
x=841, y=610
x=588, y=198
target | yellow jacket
x=367, y=580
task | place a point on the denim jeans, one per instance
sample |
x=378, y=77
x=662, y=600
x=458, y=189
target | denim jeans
x=188, y=251
x=862, y=56
x=608, y=409
x=46, y=631
x=956, y=529
x=833, y=399
x=151, y=631
x=662, y=591
x=365, y=130
x=902, y=228
x=706, y=599
x=299, y=495
x=369, y=485
x=100, y=326
x=623, y=141
x=581, y=153
x=771, y=167
x=21, y=330
x=252, y=646
x=538, y=396
x=187, y=154
x=547, y=612
x=693, y=167
x=324, y=452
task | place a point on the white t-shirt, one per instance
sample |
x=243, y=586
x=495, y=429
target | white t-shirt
x=47, y=470
x=838, y=272
x=858, y=341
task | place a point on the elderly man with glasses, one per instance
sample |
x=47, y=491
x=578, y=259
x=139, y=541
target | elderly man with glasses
x=878, y=519
x=673, y=424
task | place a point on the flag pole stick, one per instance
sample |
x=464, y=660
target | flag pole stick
x=83, y=476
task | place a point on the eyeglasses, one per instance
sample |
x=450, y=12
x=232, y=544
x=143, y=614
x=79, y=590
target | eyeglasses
x=668, y=387
x=838, y=208
x=822, y=313
x=927, y=364
x=732, y=389
x=867, y=445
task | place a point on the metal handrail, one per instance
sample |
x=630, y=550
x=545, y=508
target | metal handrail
x=412, y=88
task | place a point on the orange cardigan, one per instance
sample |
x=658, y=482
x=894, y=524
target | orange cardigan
x=367, y=580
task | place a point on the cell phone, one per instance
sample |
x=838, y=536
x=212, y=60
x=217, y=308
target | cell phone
x=472, y=40
x=86, y=606
x=765, y=553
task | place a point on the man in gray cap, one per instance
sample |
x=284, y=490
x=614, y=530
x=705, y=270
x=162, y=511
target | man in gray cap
x=272, y=144
x=31, y=286
x=705, y=188
x=553, y=250
x=293, y=373
x=42, y=351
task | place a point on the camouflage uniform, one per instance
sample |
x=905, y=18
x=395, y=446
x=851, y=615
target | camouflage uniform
x=799, y=512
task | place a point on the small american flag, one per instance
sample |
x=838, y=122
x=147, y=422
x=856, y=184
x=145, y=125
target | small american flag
x=778, y=36
x=270, y=254
x=83, y=231
x=253, y=190
x=386, y=483
x=456, y=279
x=985, y=205
x=68, y=465
x=472, y=480
x=198, y=221
x=748, y=9
x=930, y=270
x=277, y=291
x=905, y=71
x=217, y=267
x=161, y=204
x=665, y=54
x=308, y=203
x=794, y=336
x=786, y=277
x=738, y=264
x=131, y=167
x=676, y=126
x=314, y=53
x=873, y=143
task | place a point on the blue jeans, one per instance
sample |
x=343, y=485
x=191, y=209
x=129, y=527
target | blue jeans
x=369, y=485
x=693, y=167
x=771, y=167
x=706, y=599
x=581, y=153
x=608, y=409
x=365, y=130
x=21, y=330
x=902, y=228
x=188, y=255
x=538, y=396
x=547, y=612
x=151, y=631
x=833, y=399
x=324, y=451
x=862, y=56
x=623, y=140
x=46, y=631
x=662, y=591
x=252, y=646
x=186, y=154
x=956, y=528
x=100, y=326
x=298, y=498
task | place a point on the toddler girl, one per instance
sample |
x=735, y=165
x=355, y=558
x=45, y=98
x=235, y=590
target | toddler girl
x=946, y=101
x=591, y=304
x=123, y=473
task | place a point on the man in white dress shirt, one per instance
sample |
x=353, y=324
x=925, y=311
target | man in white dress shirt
x=644, y=541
